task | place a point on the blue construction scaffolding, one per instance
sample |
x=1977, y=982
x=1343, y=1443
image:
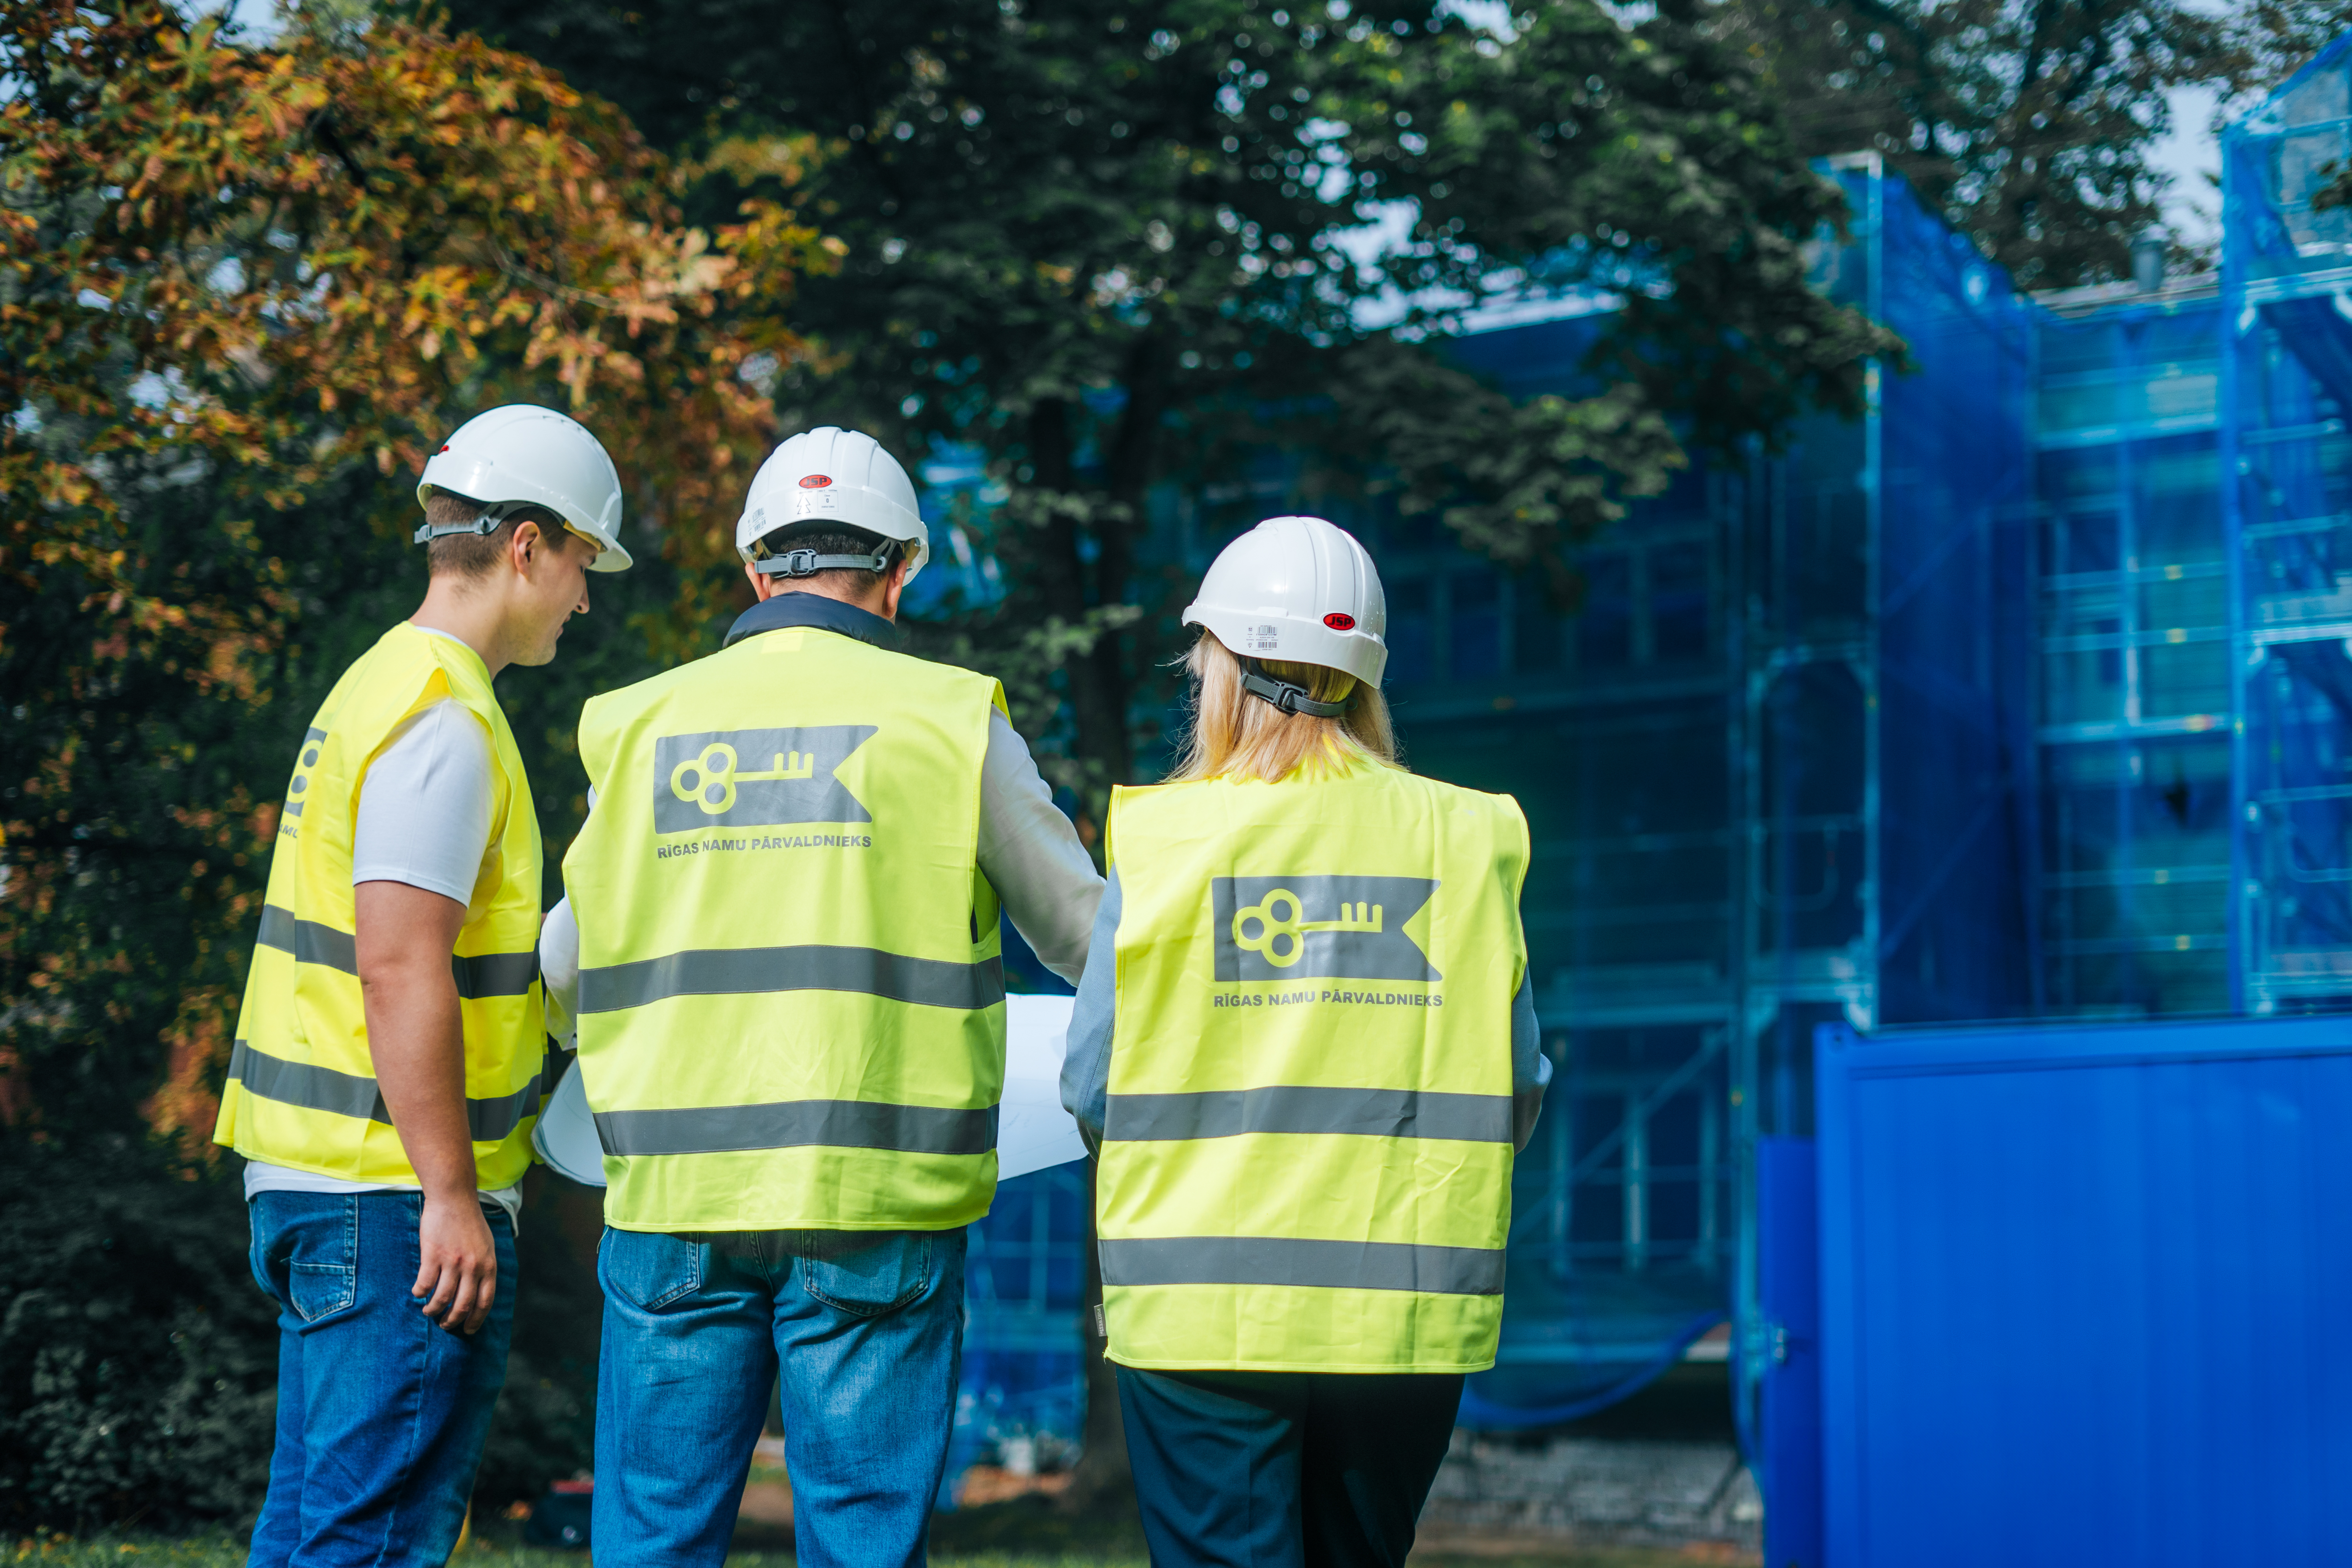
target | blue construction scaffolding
x=2136, y=729
x=1996, y=704
x=1772, y=767
x=2283, y=387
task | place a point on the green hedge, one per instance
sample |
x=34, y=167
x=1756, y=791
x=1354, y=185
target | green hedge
x=138, y=1361
x=138, y=1358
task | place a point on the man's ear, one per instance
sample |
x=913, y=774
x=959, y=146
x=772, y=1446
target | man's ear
x=526, y=538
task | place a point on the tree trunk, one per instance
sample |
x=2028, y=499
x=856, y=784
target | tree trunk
x=1097, y=682
x=1105, y=1481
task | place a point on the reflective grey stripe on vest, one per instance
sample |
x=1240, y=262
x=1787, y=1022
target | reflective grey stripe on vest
x=729, y=972
x=798, y=1124
x=478, y=975
x=484, y=974
x=309, y=941
x=1322, y=1264
x=349, y=1094
x=1288, y=1108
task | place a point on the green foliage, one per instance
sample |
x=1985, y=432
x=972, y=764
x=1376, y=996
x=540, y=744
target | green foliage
x=2031, y=125
x=137, y=1365
x=138, y=1356
x=2270, y=39
x=1112, y=248
x=545, y=1429
x=240, y=285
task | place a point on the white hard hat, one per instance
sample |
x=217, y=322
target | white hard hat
x=523, y=455
x=838, y=479
x=565, y=1133
x=1300, y=590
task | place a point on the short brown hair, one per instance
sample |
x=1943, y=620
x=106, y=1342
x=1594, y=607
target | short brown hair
x=1237, y=736
x=476, y=554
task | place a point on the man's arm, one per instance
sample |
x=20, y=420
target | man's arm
x=558, y=965
x=1031, y=854
x=416, y=1037
x=1085, y=1062
x=1530, y=1069
x=559, y=973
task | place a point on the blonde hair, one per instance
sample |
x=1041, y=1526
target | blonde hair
x=1237, y=736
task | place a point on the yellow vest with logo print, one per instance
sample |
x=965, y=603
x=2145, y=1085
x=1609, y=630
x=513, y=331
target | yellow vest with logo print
x=1306, y=1155
x=791, y=995
x=301, y=1088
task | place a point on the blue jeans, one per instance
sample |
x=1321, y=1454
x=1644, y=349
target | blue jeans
x=381, y=1415
x=1283, y=1469
x=868, y=1333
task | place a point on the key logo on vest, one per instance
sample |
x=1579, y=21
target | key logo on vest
x=752, y=778
x=1286, y=927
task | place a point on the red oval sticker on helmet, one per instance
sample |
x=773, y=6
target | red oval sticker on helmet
x=816, y=481
x=1340, y=621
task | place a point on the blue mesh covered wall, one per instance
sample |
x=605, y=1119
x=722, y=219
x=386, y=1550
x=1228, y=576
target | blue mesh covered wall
x=2135, y=656
x=1023, y=1291
x=1954, y=923
x=2285, y=388
x=1774, y=770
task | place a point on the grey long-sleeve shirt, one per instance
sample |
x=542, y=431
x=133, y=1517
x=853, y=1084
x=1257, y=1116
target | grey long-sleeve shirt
x=1086, y=1070
x=1028, y=850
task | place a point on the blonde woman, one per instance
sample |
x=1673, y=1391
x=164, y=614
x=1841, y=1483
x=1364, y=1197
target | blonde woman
x=1305, y=1053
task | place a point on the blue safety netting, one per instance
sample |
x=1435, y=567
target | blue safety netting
x=2135, y=723
x=1022, y=1396
x=1780, y=768
x=2285, y=387
x=1774, y=768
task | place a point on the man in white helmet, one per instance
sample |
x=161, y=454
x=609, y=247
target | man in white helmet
x=789, y=1003
x=389, y=1052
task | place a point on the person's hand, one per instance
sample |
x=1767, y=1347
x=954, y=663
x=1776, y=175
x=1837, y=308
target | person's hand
x=459, y=1278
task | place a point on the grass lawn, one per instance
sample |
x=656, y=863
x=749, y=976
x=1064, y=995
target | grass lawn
x=1020, y=1534
x=223, y=1552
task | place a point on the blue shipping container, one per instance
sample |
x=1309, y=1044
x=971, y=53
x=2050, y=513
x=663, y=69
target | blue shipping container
x=2081, y=1295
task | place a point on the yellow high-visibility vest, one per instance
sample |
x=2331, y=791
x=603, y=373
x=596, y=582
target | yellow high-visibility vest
x=791, y=994
x=1306, y=1155
x=301, y=1087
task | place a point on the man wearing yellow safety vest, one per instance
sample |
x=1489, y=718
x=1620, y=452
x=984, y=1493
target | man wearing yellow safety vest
x=389, y=1054
x=1305, y=1050
x=782, y=915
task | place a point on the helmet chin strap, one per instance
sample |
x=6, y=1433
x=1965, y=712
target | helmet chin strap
x=1288, y=697
x=485, y=522
x=808, y=563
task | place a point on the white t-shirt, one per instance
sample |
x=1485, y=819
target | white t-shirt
x=424, y=819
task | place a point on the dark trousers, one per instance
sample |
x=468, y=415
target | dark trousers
x=1283, y=1469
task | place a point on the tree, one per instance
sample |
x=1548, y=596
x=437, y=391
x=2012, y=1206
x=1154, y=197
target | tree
x=2270, y=41
x=1111, y=246
x=242, y=291
x=2028, y=124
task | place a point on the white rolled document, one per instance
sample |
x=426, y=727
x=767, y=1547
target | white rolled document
x=1033, y=1130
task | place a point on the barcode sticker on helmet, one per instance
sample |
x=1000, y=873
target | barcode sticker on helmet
x=1263, y=638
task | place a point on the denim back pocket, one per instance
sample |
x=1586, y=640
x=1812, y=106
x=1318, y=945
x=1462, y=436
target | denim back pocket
x=872, y=1279
x=647, y=1269
x=321, y=1248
